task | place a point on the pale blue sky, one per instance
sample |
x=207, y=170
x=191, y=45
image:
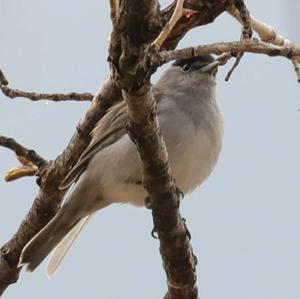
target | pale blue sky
x=244, y=220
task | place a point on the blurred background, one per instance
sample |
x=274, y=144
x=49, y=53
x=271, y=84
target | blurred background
x=244, y=220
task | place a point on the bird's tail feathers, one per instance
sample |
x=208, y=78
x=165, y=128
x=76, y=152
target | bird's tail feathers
x=45, y=241
x=64, y=246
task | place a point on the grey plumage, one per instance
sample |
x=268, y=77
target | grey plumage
x=109, y=169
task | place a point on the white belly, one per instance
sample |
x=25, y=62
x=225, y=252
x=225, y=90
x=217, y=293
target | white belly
x=197, y=161
x=191, y=164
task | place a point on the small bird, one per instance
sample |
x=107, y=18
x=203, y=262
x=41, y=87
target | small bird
x=109, y=170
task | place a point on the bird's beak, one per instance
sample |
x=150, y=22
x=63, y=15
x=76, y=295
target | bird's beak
x=210, y=67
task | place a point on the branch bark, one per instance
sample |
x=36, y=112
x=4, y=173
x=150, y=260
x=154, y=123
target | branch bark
x=128, y=53
x=34, y=96
x=266, y=32
x=176, y=251
x=206, y=12
x=253, y=46
x=20, y=150
x=49, y=197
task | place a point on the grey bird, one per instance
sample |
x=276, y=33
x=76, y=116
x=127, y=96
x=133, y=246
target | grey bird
x=109, y=170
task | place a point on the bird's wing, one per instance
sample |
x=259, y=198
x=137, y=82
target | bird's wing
x=109, y=129
x=63, y=247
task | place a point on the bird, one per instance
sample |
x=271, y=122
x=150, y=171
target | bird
x=109, y=170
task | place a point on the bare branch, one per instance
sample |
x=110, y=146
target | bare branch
x=175, y=248
x=253, y=46
x=34, y=96
x=55, y=97
x=19, y=172
x=246, y=32
x=26, y=168
x=244, y=17
x=203, y=12
x=223, y=58
x=28, y=154
x=266, y=32
x=235, y=65
x=3, y=80
x=133, y=76
x=49, y=197
x=177, y=14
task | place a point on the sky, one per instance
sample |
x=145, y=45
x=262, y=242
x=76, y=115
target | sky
x=244, y=219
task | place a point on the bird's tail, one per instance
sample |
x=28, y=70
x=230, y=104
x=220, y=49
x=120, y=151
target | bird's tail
x=64, y=246
x=45, y=241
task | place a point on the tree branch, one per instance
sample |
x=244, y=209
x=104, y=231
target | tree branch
x=176, y=251
x=3, y=80
x=246, y=32
x=253, y=46
x=29, y=159
x=34, y=96
x=266, y=32
x=206, y=11
x=128, y=53
x=49, y=197
x=28, y=154
x=177, y=14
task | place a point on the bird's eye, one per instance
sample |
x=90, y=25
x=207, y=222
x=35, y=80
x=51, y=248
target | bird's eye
x=186, y=67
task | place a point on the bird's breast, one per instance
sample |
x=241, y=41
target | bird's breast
x=196, y=154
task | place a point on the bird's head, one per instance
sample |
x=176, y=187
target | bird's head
x=205, y=64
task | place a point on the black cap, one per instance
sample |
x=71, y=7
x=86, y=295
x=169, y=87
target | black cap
x=194, y=63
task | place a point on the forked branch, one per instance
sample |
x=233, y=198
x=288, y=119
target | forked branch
x=266, y=32
x=21, y=151
x=251, y=46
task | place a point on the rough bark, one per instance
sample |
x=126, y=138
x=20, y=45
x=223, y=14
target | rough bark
x=164, y=198
x=129, y=56
x=20, y=150
x=252, y=46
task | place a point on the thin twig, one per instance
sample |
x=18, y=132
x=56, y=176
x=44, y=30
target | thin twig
x=20, y=172
x=234, y=66
x=3, y=80
x=244, y=18
x=266, y=32
x=20, y=150
x=246, y=32
x=55, y=97
x=253, y=46
x=223, y=58
x=34, y=96
x=26, y=168
x=177, y=14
